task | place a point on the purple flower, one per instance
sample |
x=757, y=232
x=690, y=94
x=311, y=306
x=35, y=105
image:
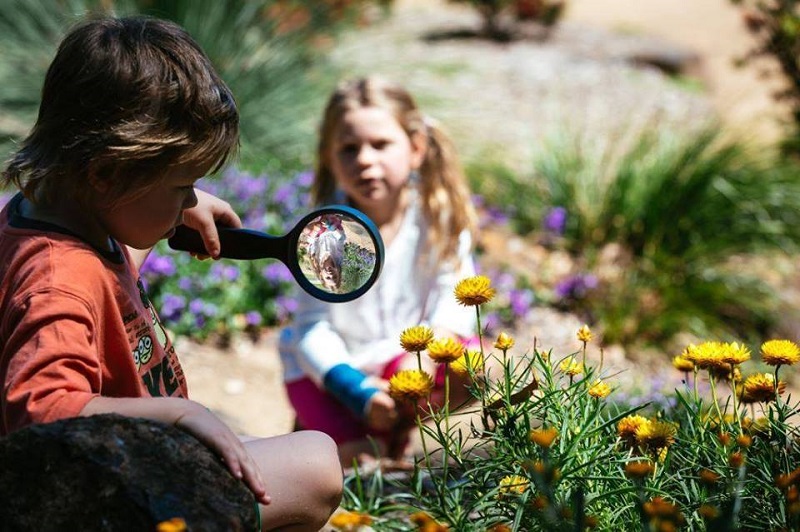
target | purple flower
x=158, y=266
x=555, y=220
x=277, y=273
x=287, y=306
x=253, y=318
x=576, y=286
x=521, y=301
x=196, y=306
x=304, y=179
x=230, y=273
x=186, y=284
x=172, y=307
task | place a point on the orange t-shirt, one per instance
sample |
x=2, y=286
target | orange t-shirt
x=75, y=323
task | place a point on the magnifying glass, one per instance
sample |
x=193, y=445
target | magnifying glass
x=335, y=253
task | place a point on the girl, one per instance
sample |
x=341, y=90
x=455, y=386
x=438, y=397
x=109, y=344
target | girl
x=132, y=115
x=380, y=154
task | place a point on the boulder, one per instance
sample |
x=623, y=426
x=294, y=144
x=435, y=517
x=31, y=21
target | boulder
x=109, y=473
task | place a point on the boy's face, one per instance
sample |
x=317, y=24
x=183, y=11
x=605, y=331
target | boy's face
x=144, y=220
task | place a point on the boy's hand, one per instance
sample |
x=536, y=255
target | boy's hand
x=212, y=432
x=204, y=217
x=381, y=412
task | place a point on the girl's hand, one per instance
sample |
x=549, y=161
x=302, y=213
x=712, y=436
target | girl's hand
x=214, y=434
x=381, y=412
x=204, y=217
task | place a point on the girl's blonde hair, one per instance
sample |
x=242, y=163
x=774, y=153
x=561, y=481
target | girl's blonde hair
x=443, y=190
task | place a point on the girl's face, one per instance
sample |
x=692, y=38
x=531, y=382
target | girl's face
x=153, y=215
x=372, y=156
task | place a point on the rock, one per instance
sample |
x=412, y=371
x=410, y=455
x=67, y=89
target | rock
x=109, y=472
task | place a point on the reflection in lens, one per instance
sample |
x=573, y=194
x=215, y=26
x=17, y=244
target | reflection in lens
x=336, y=253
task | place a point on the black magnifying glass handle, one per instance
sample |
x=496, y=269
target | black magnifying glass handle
x=235, y=243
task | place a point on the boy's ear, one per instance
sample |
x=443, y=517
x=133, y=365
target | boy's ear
x=98, y=184
x=419, y=147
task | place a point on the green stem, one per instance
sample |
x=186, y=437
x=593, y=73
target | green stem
x=735, y=406
x=714, y=399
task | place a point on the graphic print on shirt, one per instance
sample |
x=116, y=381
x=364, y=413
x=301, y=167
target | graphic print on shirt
x=153, y=352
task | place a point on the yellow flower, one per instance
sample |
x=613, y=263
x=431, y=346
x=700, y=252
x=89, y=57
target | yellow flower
x=709, y=355
x=735, y=353
x=681, y=363
x=416, y=339
x=760, y=388
x=444, y=350
x=504, y=342
x=655, y=435
x=599, y=389
x=780, y=352
x=513, y=484
x=348, y=521
x=410, y=384
x=584, y=334
x=627, y=427
x=176, y=524
x=544, y=437
x=571, y=367
x=474, y=291
x=639, y=469
x=471, y=359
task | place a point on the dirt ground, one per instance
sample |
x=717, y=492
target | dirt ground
x=243, y=382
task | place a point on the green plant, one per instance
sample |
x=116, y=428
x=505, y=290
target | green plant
x=663, y=224
x=544, y=446
x=268, y=51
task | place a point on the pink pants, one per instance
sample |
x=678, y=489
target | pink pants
x=316, y=409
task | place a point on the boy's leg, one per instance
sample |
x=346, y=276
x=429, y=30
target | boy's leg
x=302, y=475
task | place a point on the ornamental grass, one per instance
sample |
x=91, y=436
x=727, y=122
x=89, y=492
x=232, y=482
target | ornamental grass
x=544, y=446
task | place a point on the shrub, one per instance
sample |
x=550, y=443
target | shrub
x=544, y=446
x=656, y=228
x=268, y=51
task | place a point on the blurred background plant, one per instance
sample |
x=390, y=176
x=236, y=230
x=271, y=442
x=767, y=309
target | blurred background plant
x=662, y=230
x=270, y=52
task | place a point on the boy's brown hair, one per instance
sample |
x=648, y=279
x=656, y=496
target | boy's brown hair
x=124, y=100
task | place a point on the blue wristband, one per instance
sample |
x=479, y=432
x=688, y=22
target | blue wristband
x=349, y=386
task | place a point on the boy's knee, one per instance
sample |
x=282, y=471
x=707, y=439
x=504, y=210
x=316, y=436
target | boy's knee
x=324, y=462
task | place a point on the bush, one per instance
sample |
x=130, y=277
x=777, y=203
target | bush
x=545, y=447
x=655, y=229
x=268, y=51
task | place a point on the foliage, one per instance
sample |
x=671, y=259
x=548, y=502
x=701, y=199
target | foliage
x=268, y=51
x=775, y=25
x=655, y=230
x=544, y=446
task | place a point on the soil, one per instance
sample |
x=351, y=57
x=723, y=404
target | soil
x=499, y=100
